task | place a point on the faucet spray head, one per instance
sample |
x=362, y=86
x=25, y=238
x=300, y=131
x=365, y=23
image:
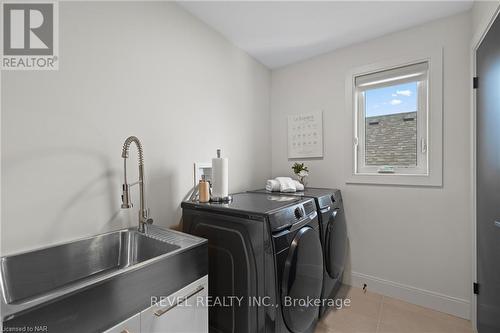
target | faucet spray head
x=126, y=203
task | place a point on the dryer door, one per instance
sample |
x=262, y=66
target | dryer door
x=335, y=244
x=302, y=280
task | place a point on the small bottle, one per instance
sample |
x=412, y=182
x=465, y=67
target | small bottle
x=204, y=190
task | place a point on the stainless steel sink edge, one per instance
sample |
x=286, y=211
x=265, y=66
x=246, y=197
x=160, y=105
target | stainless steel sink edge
x=104, y=305
x=184, y=241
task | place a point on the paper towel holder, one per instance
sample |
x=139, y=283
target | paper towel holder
x=217, y=199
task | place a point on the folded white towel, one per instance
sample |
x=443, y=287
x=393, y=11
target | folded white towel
x=298, y=185
x=287, y=185
x=272, y=185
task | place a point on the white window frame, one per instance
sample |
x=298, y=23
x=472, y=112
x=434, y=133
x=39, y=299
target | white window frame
x=360, y=133
x=429, y=121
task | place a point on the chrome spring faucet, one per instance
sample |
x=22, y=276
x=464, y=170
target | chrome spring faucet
x=144, y=218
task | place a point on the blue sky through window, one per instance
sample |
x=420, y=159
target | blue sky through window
x=399, y=98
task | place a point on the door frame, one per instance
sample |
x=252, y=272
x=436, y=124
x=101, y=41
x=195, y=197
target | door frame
x=476, y=42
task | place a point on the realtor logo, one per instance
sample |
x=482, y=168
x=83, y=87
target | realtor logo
x=29, y=36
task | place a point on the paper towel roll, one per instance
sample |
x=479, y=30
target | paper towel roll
x=220, y=178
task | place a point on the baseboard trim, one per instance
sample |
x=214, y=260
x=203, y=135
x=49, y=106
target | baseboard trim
x=429, y=299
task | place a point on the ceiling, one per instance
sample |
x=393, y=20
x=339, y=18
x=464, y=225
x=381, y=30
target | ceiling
x=282, y=33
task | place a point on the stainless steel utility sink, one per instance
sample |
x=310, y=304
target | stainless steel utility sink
x=30, y=274
x=104, y=278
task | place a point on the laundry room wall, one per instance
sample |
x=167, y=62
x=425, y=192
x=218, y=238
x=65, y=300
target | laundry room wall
x=148, y=69
x=408, y=242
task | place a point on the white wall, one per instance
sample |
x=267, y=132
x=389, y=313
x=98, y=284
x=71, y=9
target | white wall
x=145, y=69
x=409, y=242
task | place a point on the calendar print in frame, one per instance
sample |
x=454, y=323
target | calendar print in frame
x=305, y=135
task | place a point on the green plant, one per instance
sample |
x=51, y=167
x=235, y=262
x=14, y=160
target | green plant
x=301, y=171
x=298, y=167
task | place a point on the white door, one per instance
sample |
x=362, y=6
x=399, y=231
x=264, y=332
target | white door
x=185, y=311
x=130, y=325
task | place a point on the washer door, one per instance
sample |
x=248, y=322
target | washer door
x=302, y=281
x=335, y=244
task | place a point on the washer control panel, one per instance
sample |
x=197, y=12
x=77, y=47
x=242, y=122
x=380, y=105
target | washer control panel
x=286, y=217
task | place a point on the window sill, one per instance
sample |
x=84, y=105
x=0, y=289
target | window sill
x=396, y=179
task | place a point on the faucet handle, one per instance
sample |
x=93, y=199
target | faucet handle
x=148, y=219
x=144, y=217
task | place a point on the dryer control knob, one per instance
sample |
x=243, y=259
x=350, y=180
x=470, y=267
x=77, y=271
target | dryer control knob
x=298, y=213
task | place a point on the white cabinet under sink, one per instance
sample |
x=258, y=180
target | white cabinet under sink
x=130, y=325
x=184, y=311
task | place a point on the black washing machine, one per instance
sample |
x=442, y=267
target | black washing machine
x=333, y=232
x=264, y=253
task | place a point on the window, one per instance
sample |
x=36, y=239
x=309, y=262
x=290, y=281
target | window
x=391, y=131
x=394, y=134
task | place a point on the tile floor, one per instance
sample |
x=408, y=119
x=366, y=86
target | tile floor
x=374, y=313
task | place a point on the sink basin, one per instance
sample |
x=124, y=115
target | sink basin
x=91, y=284
x=61, y=265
